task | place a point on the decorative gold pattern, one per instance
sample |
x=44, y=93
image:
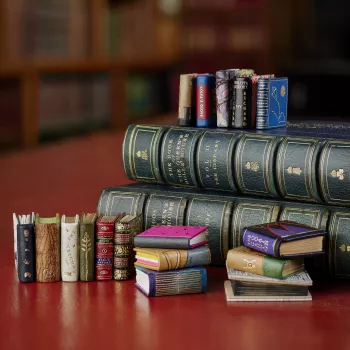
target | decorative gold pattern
x=86, y=247
x=338, y=173
x=26, y=235
x=26, y=262
x=27, y=275
x=344, y=248
x=283, y=90
x=104, y=228
x=249, y=264
x=254, y=166
x=142, y=154
x=296, y=171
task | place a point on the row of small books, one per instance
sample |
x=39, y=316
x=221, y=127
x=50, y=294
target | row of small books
x=233, y=98
x=72, y=248
x=169, y=260
x=270, y=265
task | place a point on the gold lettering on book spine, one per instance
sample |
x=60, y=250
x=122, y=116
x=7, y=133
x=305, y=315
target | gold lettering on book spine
x=295, y=171
x=338, y=173
x=254, y=166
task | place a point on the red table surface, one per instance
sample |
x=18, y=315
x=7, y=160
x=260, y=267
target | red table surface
x=67, y=178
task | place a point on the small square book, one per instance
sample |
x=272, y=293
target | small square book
x=173, y=237
x=284, y=239
x=243, y=286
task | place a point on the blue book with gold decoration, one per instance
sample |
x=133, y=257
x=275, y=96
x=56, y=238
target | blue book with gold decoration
x=272, y=103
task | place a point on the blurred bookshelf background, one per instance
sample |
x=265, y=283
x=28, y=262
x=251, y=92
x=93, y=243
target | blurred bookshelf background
x=71, y=67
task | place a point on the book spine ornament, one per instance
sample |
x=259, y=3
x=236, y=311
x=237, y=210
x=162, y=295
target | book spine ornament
x=242, y=98
x=261, y=243
x=262, y=104
x=205, y=100
x=104, y=251
x=87, y=251
x=47, y=247
x=187, y=100
x=26, y=253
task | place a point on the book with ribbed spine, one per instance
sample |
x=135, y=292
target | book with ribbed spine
x=175, y=282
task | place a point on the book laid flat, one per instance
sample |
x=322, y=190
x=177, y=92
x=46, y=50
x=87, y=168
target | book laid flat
x=25, y=247
x=87, y=246
x=126, y=228
x=177, y=237
x=104, y=247
x=297, y=162
x=175, y=282
x=284, y=239
x=248, y=260
x=172, y=259
x=47, y=249
x=227, y=216
x=69, y=248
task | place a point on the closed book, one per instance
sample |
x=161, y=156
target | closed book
x=242, y=100
x=172, y=259
x=47, y=249
x=87, y=246
x=176, y=237
x=187, y=100
x=205, y=100
x=124, y=257
x=175, y=282
x=104, y=247
x=272, y=103
x=248, y=260
x=25, y=247
x=69, y=248
x=285, y=239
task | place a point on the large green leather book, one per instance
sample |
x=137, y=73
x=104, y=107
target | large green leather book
x=298, y=163
x=226, y=216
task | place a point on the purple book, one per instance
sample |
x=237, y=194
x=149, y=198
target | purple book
x=285, y=239
x=172, y=237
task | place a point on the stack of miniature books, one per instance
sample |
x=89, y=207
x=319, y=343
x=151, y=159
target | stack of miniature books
x=169, y=260
x=270, y=265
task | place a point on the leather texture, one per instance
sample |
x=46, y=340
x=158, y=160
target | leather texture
x=87, y=247
x=124, y=256
x=255, y=160
x=47, y=247
x=215, y=162
x=165, y=210
x=178, y=154
x=26, y=250
x=104, y=247
x=69, y=248
x=242, y=100
x=141, y=150
x=296, y=170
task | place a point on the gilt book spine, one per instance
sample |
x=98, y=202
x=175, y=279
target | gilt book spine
x=242, y=99
x=206, y=100
x=187, y=100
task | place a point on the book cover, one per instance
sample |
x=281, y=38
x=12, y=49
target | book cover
x=175, y=282
x=172, y=259
x=272, y=103
x=248, y=260
x=274, y=239
x=176, y=237
x=205, y=100
x=242, y=99
x=187, y=100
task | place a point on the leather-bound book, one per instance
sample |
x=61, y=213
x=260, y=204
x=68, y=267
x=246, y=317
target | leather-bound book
x=104, y=247
x=187, y=100
x=69, y=248
x=242, y=99
x=126, y=228
x=87, y=246
x=25, y=247
x=175, y=282
x=47, y=246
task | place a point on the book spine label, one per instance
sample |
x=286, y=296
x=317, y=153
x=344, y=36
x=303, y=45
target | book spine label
x=297, y=168
x=216, y=215
x=255, y=159
x=141, y=149
x=165, y=210
x=178, y=156
x=262, y=104
x=187, y=100
x=124, y=256
x=47, y=248
x=87, y=252
x=104, y=251
x=69, y=252
x=260, y=243
x=215, y=162
x=242, y=96
x=111, y=203
x=205, y=100
x=26, y=252
x=333, y=171
x=256, y=264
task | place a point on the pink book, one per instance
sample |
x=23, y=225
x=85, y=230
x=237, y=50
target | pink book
x=172, y=237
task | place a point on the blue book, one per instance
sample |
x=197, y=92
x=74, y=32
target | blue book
x=206, y=100
x=272, y=103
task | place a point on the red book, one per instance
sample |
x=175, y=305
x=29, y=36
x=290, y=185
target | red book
x=104, y=247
